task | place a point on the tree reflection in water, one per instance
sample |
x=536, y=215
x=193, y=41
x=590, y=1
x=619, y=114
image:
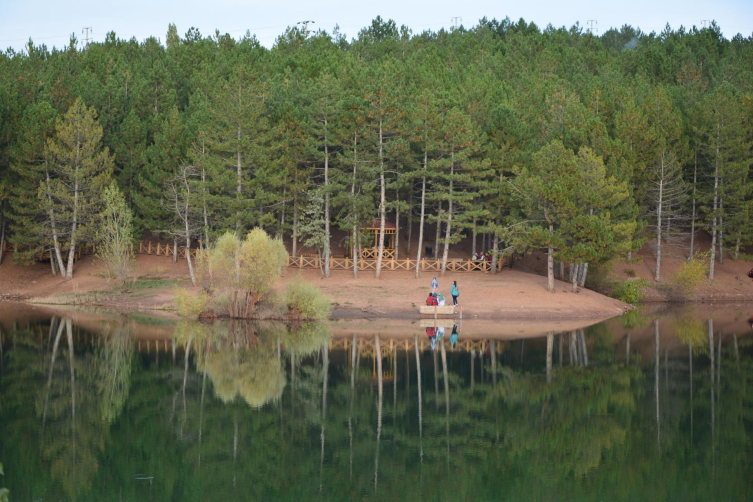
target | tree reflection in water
x=111, y=422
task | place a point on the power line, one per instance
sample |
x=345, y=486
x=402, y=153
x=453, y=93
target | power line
x=592, y=22
x=455, y=20
x=305, y=27
x=704, y=23
x=86, y=29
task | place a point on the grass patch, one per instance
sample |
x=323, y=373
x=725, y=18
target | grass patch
x=147, y=282
x=74, y=298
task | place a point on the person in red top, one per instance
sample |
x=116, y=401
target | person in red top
x=431, y=300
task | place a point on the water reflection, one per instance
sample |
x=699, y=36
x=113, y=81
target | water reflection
x=653, y=407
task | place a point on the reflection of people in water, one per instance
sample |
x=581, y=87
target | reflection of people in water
x=750, y=322
x=454, y=335
x=433, y=341
x=440, y=332
x=431, y=332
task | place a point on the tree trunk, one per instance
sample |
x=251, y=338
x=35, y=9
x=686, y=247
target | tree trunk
x=721, y=226
x=205, y=244
x=583, y=274
x=495, y=250
x=281, y=231
x=295, y=228
x=52, y=263
x=714, y=228
x=448, y=230
x=382, y=202
x=562, y=271
x=188, y=249
x=473, y=239
x=439, y=230
x=397, y=226
x=692, y=217
x=574, y=276
x=421, y=221
x=74, y=228
x=657, y=272
x=327, y=236
x=355, y=244
x=239, y=173
x=550, y=264
x=175, y=241
x=410, y=220
x=2, y=236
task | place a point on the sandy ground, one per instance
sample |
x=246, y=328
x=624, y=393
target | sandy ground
x=518, y=293
x=510, y=294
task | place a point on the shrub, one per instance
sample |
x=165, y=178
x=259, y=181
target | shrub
x=306, y=301
x=630, y=272
x=188, y=305
x=631, y=292
x=245, y=270
x=692, y=273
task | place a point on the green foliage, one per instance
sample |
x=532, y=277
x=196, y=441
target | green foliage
x=115, y=236
x=503, y=128
x=245, y=270
x=692, y=273
x=305, y=301
x=189, y=305
x=631, y=292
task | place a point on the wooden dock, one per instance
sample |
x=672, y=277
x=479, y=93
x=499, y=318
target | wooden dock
x=435, y=310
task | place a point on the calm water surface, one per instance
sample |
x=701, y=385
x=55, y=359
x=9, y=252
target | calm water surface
x=649, y=406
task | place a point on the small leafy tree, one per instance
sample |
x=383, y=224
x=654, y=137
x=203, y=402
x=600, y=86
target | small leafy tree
x=305, y=301
x=245, y=270
x=311, y=226
x=116, y=236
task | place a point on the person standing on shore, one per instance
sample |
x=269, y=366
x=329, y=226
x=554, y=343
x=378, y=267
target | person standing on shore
x=434, y=285
x=454, y=292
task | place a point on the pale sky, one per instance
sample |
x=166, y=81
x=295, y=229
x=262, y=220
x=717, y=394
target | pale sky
x=52, y=21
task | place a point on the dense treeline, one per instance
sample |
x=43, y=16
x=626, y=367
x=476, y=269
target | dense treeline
x=552, y=139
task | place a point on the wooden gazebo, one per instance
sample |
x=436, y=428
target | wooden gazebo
x=390, y=233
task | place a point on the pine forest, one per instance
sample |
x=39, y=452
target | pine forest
x=551, y=140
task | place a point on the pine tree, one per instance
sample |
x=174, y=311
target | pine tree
x=78, y=172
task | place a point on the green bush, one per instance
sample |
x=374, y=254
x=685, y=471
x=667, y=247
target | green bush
x=631, y=292
x=692, y=273
x=306, y=301
x=188, y=305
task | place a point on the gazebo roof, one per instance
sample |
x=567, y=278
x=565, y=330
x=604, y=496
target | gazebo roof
x=375, y=225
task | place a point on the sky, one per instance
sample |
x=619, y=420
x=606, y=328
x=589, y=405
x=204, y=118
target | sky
x=53, y=21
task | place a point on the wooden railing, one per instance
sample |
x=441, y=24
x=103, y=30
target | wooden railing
x=307, y=260
x=372, y=254
x=312, y=261
x=162, y=249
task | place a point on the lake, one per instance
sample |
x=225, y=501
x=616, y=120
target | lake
x=653, y=405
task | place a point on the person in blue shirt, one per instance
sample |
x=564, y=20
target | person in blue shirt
x=434, y=285
x=454, y=335
x=454, y=292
